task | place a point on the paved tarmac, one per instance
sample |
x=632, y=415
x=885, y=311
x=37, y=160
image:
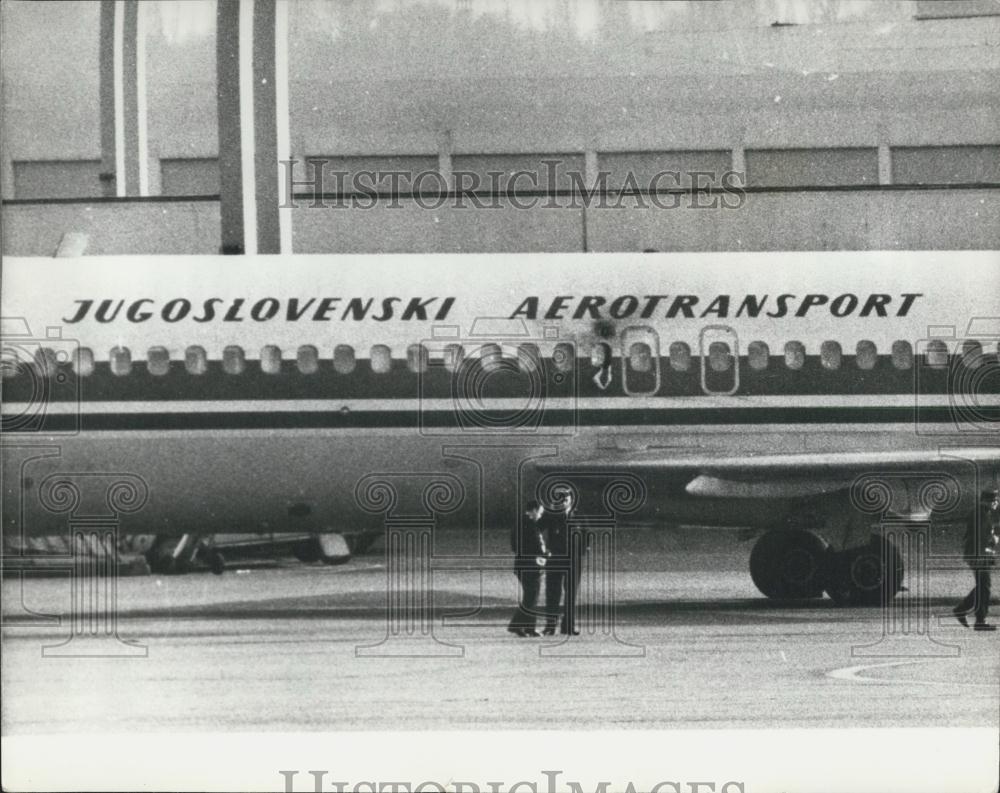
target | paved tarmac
x=293, y=647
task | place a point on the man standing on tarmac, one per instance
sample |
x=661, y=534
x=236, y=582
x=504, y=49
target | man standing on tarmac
x=982, y=537
x=567, y=546
x=530, y=556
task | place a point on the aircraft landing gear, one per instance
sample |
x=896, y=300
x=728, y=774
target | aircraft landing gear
x=306, y=551
x=329, y=548
x=800, y=564
x=868, y=575
x=170, y=555
x=789, y=564
x=362, y=542
x=216, y=562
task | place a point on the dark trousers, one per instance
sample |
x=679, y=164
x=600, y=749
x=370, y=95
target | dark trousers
x=562, y=581
x=978, y=598
x=531, y=583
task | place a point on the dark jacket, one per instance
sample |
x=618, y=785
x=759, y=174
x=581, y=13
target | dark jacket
x=558, y=534
x=982, y=537
x=527, y=539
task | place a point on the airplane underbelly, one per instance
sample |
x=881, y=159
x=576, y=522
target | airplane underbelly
x=292, y=480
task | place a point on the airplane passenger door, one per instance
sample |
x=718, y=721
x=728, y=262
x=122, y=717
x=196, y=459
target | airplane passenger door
x=640, y=361
x=720, y=360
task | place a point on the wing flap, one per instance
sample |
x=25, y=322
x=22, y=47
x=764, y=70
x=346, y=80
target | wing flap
x=750, y=467
x=706, y=486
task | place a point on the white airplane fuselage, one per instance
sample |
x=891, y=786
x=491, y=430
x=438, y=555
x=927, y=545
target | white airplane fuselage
x=270, y=394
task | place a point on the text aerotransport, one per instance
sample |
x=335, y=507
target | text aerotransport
x=720, y=306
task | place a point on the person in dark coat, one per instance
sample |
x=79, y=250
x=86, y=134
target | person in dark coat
x=982, y=536
x=562, y=577
x=530, y=556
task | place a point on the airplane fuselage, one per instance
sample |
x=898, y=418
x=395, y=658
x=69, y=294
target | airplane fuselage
x=346, y=393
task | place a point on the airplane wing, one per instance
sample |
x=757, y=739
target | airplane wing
x=793, y=474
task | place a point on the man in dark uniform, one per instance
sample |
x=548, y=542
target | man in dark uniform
x=562, y=578
x=530, y=554
x=982, y=536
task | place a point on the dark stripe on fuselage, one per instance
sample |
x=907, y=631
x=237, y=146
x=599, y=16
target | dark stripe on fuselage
x=471, y=380
x=501, y=423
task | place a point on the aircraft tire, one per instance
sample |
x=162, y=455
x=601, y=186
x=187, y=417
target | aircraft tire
x=158, y=565
x=306, y=551
x=869, y=575
x=333, y=548
x=789, y=564
x=216, y=562
x=361, y=543
x=160, y=558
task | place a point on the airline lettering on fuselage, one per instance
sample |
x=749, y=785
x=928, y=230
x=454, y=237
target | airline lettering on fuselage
x=586, y=307
x=217, y=309
x=715, y=307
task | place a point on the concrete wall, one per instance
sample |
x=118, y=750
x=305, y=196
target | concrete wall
x=849, y=220
x=458, y=77
x=113, y=228
x=768, y=220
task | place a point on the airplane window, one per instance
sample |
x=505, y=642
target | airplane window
x=83, y=361
x=795, y=355
x=343, y=359
x=270, y=359
x=490, y=357
x=680, y=356
x=381, y=359
x=195, y=360
x=529, y=359
x=121, y=361
x=453, y=355
x=866, y=354
x=158, y=361
x=416, y=358
x=830, y=354
x=307, y=359
x=902, y=355
x=720, y=359
x=562, y=356
x=936, y=354
x=972, y=353
x=11, y=365
x=233, y=360
x=758, y=355
x=600, y=355
x=45, y=360
x=640, y=357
